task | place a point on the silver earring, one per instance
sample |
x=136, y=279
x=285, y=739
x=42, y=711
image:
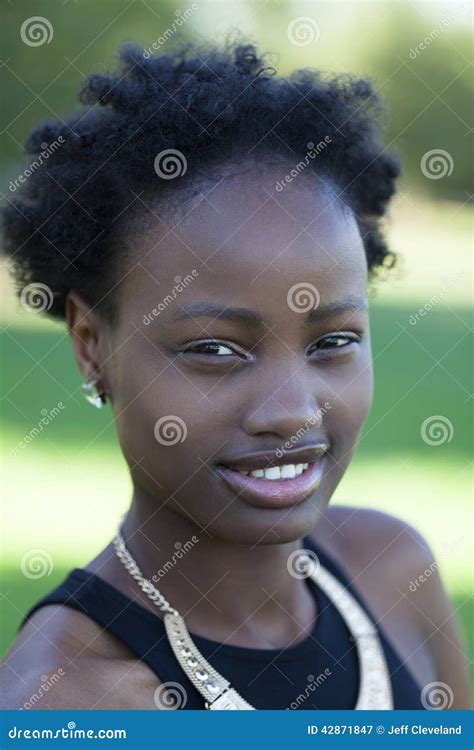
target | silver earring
x=93, y=395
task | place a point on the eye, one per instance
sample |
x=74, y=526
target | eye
x=338, y=340
x=211, y=349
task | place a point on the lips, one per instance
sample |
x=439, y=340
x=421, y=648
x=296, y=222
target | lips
x=275, y=493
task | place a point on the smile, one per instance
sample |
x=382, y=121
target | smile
x=287, y=471
x=275, y=486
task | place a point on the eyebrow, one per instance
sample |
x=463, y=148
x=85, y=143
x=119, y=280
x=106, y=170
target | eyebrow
x=255, y=320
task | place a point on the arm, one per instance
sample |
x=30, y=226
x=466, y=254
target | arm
x=440, y=626
x=84, y=666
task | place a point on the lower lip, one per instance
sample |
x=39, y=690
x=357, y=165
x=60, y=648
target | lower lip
x=274, y=493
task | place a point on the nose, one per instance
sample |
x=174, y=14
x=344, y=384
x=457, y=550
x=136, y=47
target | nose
x=286, y=407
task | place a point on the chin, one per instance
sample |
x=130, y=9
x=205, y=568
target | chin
x=261, y=527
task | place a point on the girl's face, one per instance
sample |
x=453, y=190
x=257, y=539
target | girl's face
x=194, y=390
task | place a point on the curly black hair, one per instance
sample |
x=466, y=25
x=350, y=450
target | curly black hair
x=62, y=227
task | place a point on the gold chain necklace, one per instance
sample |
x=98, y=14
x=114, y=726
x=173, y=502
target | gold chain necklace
x=374, y=686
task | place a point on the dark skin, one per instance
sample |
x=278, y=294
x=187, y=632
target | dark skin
x=252, y=389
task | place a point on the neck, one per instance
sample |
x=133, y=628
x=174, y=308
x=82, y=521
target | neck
x=225, y=591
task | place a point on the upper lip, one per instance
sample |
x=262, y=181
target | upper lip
x=266, y=459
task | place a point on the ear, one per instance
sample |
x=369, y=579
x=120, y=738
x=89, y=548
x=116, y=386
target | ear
x=88, y=334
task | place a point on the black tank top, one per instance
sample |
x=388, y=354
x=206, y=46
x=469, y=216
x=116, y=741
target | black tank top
x=320, y=672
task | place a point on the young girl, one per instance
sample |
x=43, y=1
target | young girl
x=208, y=231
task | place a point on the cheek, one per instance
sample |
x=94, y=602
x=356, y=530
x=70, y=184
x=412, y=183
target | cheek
x=350, y=407
x=166, y=425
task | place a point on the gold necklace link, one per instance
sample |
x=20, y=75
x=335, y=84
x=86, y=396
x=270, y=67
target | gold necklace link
x=375, y=691
x=146, y=586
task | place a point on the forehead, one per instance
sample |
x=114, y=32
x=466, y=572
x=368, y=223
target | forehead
x=247, y=240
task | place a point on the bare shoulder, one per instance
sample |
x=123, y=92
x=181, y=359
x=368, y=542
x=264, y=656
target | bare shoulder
x=393, y=567
x=362, y=536
x=64, y=660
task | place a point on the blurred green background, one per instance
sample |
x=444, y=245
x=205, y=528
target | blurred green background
x=64, y=492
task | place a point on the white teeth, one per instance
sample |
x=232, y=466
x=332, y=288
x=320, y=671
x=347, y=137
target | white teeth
x=272, y=473
x=287, y=471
